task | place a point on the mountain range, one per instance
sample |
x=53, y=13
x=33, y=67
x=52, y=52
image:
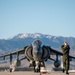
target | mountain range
x=21, y=40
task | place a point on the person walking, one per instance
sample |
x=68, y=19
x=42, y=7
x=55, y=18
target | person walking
x=65, y=49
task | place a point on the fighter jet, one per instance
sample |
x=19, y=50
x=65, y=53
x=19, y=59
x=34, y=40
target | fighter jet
x=37, y=54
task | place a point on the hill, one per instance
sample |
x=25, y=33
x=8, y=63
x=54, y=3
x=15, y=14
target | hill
x=21, y=40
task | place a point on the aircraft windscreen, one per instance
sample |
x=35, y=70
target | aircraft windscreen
x=37, y=43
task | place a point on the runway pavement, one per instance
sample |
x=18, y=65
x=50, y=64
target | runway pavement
x=32, y=73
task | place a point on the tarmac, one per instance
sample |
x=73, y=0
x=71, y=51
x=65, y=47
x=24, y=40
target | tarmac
x=32, y=73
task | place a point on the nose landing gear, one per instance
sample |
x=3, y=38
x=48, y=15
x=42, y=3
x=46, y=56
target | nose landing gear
x=37, y=69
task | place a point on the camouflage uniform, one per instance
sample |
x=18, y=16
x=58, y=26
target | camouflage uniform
x=65, y=50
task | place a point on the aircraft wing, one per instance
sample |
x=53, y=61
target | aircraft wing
x=13, y=53
x=21, y=51
x=55, y=52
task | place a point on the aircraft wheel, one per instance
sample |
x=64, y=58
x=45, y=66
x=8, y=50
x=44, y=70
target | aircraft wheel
x=10, y=69
x=38, y=70
x=34, y=69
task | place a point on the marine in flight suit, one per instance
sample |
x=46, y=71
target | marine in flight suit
x=65, y=49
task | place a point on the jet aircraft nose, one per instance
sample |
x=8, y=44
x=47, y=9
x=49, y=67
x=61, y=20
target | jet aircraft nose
x=37, y=46
x=37, y=50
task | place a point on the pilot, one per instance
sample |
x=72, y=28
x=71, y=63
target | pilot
x=65, y=49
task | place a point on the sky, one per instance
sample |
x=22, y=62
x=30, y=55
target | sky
x=53, y=17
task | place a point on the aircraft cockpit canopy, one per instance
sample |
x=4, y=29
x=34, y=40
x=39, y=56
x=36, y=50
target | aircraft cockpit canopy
x=37, y=43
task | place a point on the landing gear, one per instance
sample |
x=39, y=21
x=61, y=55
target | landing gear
x=37, y=69
x=10, y=69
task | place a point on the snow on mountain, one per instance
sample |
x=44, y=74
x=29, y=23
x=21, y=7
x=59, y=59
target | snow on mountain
x=28, y=35
x=22, y=36
x=35, y=36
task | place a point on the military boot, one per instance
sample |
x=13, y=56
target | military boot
x=67, y=72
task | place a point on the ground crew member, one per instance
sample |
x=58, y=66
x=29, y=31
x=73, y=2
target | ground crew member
x=65, y=49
